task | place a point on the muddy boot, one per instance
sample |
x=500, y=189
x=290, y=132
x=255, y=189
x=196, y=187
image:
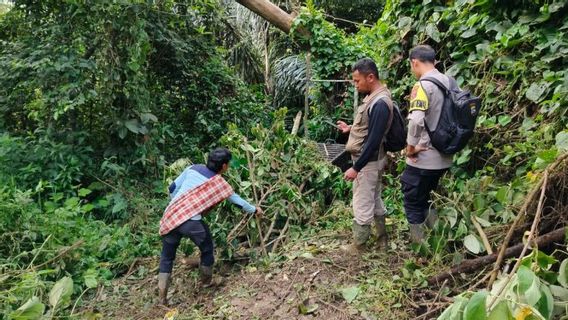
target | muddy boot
x=192, y=262
x=431, y=218
x=381, y=229
x=416, y=233
x=207, y=279
x=163, y=285
x=360, y=236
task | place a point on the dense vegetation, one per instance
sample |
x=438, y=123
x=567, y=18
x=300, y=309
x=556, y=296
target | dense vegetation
x=101, y=105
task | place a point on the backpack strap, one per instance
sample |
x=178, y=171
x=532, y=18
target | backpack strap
x=439, y=84
x=390, y=107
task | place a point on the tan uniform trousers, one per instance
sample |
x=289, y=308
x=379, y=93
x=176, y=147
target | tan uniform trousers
x=367, y=189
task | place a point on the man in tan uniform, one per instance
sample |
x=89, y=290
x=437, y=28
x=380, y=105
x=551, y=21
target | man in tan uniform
x=366, y=147
x=424, y=164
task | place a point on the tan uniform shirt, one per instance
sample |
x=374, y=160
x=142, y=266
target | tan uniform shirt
x=426, y=102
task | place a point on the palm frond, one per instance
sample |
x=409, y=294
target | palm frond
x=289, y=78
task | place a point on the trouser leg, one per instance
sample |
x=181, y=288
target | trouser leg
x=198, y=232
x=367, y=201
x=367, y=194
x=417, y=184
x=170, y=243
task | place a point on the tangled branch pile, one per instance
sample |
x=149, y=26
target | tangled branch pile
x=287, y=177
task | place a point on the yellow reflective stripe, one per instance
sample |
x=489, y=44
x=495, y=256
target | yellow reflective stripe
x=418, y=98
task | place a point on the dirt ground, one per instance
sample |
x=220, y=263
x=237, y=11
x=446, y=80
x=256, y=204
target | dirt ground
x=310, y=283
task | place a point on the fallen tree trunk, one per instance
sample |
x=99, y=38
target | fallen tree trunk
x=270, y=12
x=472, y=265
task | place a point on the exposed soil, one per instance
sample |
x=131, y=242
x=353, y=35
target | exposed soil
x=306, y=284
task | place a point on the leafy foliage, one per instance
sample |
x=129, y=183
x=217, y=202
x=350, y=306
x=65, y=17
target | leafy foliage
x=265, y=169
x=534, y=292
x=136, y=78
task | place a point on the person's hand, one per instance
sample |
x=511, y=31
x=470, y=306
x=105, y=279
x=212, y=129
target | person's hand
x=350, y=174
x=420, y=148
x=343, y=127
x=259, y=212
x=413, y=151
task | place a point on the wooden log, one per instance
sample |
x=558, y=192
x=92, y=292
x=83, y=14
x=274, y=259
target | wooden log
x=270, y=12
x=472, y=265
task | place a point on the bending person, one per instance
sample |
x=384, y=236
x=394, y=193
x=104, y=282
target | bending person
x=198, y=189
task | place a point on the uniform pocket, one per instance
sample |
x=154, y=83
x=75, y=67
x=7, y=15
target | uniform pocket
x=359, y=115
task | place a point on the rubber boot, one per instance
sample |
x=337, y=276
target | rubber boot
x=163, y=285
x=416, y=233
x=192, y=262
x=381, y=229
x=361, y=234
x=431, y=218
x=206, y=275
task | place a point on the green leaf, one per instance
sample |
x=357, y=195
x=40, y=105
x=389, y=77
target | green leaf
x=146, y=117
x=306, y=308
x=563, y=274
x=472, y=244
x=452, y=215
x=432, y=32
x=547, y=156
x=463, y=157
x=132, y=125
x=119, y=203
x=469, y=33
x=501, y=312
x=455, y=311
x=562, y=141
x=545, y=261
x=535, y=91
x=526, y=278
x=501, y=195
x=475, y=308
x=90, y=277
x=60, y=294
x=529, y=285
x=559, y=292
x=350, y=293
x=31, y=310
x=504, y=120
x=545, y=304
x=84, y=192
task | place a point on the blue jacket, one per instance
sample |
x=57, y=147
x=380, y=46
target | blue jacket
x=192, y=177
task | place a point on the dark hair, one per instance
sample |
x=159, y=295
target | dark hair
x=366, y=66
x=217, y=158
x=424, y=53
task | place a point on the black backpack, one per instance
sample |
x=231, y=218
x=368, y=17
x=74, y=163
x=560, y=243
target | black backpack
x=457, y=118
x=395, y=137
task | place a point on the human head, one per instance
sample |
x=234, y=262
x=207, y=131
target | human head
x=422, y=59
x=218, y=160
x=365, y=75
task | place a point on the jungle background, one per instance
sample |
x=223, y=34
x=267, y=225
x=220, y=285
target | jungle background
x=103, y=103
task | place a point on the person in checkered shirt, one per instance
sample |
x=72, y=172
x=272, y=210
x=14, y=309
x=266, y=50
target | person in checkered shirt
x=195, y=228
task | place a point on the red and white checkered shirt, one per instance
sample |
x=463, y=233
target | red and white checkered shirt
x=195, y=201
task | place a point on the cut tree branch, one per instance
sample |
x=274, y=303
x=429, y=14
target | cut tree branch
x=270, y=12
x=472, y=265
x=529, y=200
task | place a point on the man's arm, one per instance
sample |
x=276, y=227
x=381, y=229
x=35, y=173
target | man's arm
x=378, y=121
x=418, y=108
x=242, y=203
x=415, y=128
